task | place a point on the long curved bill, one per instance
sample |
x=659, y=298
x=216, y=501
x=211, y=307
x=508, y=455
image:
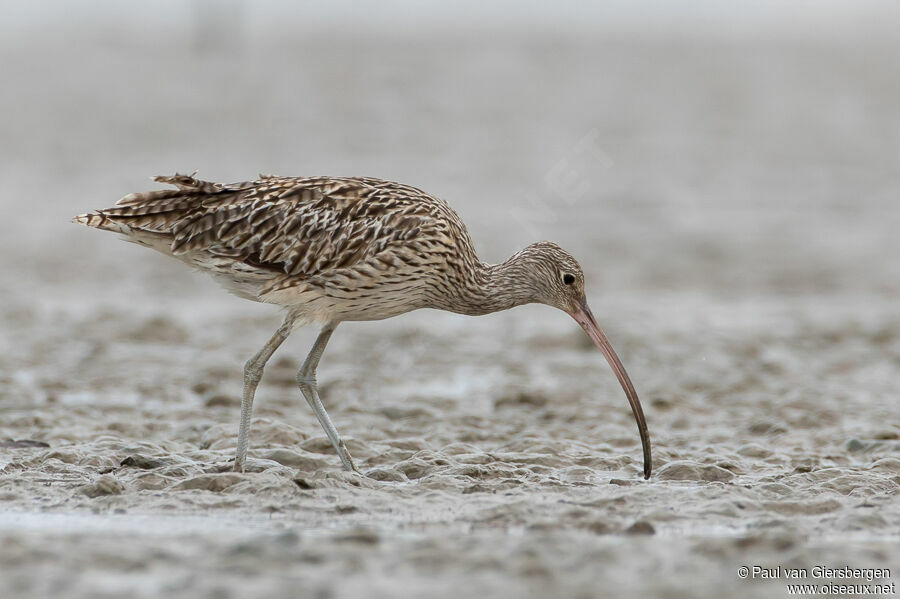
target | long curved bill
x=583, y=316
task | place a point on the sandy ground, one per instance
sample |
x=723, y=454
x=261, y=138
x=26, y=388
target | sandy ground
x=734, y=205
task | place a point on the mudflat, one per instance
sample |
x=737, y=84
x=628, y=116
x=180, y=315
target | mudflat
x=733, y=204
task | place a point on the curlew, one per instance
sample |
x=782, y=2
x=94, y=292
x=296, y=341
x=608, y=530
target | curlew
x=333, y=249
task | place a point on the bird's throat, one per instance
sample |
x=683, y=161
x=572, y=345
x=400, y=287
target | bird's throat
x=491, y=288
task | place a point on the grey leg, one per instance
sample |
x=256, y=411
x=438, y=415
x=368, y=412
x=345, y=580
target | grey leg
x=306, y=377
x=253, y=370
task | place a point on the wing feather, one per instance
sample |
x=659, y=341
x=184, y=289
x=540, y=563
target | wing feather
x=300, y=227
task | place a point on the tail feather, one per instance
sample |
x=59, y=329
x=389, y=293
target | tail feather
x=189, y=183
x=184, y=183
x=99, y=221
x=161, y=211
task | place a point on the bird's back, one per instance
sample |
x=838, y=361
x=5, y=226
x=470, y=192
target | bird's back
x=346, y=248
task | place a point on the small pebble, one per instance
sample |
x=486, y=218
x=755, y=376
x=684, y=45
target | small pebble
x=105, y=485
x=641, y=527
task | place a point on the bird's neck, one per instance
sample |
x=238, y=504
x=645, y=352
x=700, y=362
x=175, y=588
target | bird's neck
x=491, y=287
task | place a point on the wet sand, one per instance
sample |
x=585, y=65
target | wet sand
x=734, y=206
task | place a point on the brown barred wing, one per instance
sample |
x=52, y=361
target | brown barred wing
x=298, y=227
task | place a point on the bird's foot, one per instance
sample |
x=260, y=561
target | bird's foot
x=239, y=462
x=347, y=460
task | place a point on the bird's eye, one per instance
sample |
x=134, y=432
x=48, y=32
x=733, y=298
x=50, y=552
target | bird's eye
x=568, y=279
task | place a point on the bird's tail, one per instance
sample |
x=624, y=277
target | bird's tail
x=100, y=221
x=153, y=210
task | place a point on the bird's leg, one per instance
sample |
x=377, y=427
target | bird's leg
x=306, y=378
x=253, y=370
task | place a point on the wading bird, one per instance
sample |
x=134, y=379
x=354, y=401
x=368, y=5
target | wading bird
x=331, y=249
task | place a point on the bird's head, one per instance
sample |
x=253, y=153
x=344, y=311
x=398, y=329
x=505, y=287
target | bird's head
x=556, y=279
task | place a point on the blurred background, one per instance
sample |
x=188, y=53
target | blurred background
x=726, y=172
x=734, y=150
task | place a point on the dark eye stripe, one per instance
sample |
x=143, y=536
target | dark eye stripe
x=568, y=279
